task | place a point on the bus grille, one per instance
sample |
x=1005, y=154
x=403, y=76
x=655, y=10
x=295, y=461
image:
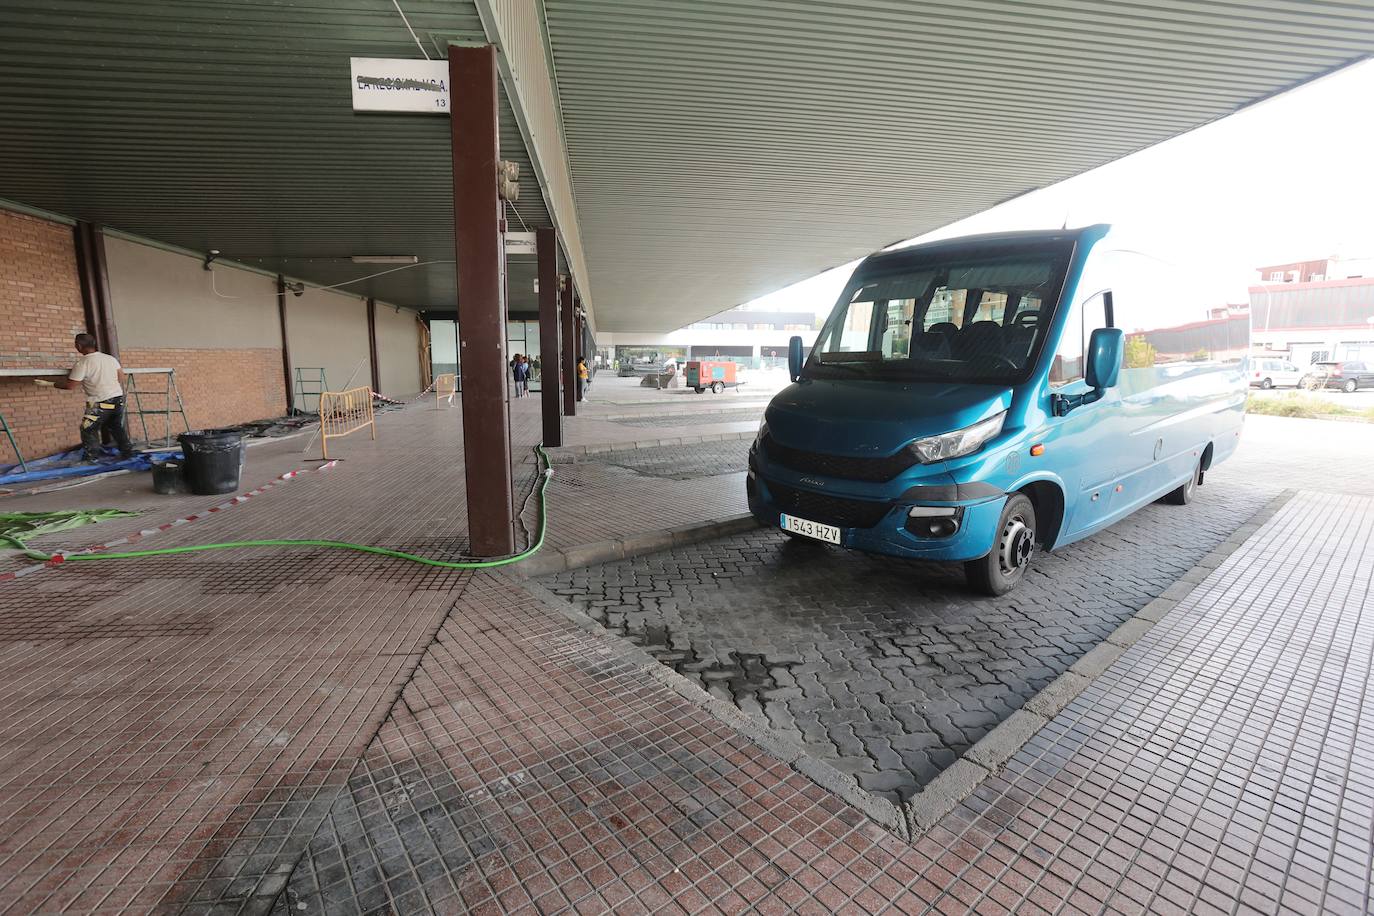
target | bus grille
x=829, y=510
x=872, y=470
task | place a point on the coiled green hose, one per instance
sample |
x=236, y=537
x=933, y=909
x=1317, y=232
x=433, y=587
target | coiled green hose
x=546, y=473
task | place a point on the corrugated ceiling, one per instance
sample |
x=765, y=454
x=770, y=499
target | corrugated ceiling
x=721, y=149
x=229, y=125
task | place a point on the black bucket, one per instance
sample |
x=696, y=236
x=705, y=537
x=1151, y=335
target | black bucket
x=214, y=458
x=168, y=478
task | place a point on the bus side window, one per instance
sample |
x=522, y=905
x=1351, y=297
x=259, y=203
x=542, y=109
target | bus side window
x=1069, y=359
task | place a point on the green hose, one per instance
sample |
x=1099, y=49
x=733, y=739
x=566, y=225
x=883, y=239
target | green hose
x=545, y=474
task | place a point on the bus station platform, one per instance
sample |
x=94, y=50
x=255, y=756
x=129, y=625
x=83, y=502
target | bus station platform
x=314, y=731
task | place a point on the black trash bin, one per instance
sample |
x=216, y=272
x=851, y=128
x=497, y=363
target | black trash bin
x=214, y=458
x=168, y=478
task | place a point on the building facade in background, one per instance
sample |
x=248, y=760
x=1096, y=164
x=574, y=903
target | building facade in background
x=1316, y=320
x=750, y=337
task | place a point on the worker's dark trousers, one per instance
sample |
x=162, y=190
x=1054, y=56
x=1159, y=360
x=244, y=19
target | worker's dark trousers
x=103, y=415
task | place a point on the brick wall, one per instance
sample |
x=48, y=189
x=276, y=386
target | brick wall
x=218, y=387
x=40, y=312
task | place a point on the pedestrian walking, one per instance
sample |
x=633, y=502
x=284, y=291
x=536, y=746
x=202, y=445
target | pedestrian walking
x=522, y=376
x=584, y=378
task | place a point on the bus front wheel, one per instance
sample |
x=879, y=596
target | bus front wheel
x=1005, y=566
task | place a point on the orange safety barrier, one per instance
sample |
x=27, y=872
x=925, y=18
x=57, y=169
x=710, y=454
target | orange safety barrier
x=344, y=412
x=445, y=386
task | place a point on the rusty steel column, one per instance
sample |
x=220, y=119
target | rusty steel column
x=372, y=344
x=477, y=219
x=546, y=249
x=285, y=348
x=94, y=279
x=568, y=320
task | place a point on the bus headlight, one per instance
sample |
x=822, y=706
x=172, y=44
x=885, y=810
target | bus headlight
x=961, y=442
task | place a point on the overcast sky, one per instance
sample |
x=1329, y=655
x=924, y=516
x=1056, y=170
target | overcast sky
x=1289, y=179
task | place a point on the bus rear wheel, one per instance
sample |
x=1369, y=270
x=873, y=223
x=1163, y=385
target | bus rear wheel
x=1005, y=566
x=1185, y=493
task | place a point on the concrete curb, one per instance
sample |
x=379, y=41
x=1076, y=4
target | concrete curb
x=990, y=753
x=566, y=454
x=555, y=560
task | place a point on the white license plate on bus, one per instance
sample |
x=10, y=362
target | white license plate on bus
x=810, y=529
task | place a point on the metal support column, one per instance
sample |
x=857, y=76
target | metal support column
x=286, y=380
x=579, y=347
x=95, y=286
x=568, y=320
x=477, y=218
x=550, y=344
x=372, y=344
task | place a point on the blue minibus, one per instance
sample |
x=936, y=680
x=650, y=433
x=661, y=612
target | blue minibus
x=976, y=399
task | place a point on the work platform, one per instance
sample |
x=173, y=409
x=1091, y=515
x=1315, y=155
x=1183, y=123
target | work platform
x=321, y=732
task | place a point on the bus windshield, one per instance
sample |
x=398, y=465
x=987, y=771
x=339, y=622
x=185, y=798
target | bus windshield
x=976, y=316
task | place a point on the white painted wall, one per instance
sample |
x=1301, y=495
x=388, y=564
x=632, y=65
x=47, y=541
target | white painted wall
x=329, y=330
x=166, y=300
x=398, y=351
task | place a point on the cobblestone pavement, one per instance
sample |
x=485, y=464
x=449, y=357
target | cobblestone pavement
x=889, y=670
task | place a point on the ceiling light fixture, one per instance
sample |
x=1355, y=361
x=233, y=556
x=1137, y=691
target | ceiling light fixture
x=385, y=259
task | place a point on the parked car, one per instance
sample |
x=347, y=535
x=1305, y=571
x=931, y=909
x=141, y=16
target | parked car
x=976, y=399
x=1347, y=375
x=1273, y=373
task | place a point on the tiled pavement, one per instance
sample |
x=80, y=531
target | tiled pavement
x=889, y=670
x=1215, y=768
x=184, y=727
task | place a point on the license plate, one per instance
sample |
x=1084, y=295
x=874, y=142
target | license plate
x=810, y=529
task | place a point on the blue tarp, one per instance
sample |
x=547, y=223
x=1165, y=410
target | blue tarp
x=69, y=464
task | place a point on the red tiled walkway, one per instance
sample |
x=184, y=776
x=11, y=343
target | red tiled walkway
x=175, y=733
x=1221, y=765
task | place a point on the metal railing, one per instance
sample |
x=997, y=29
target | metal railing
x=345, y=412
x=445, y=389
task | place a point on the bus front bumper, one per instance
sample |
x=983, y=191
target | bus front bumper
x=891, y=535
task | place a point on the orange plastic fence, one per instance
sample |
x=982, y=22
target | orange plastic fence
x=344, y=412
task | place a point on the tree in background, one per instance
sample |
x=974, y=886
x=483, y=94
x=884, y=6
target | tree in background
x=1139, y=353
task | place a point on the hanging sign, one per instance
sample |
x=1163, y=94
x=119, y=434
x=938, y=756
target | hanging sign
x=520, y=243
x=381, y=84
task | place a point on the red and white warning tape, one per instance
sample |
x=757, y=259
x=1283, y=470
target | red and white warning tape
x=176, y=523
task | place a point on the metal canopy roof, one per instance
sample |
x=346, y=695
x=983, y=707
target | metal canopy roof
x=721, y=149
x=230, y=125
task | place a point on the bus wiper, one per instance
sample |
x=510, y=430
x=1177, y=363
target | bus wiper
x=845, y=366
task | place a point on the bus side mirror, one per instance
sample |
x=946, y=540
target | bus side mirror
x=794, y=358
x=1106, y=348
